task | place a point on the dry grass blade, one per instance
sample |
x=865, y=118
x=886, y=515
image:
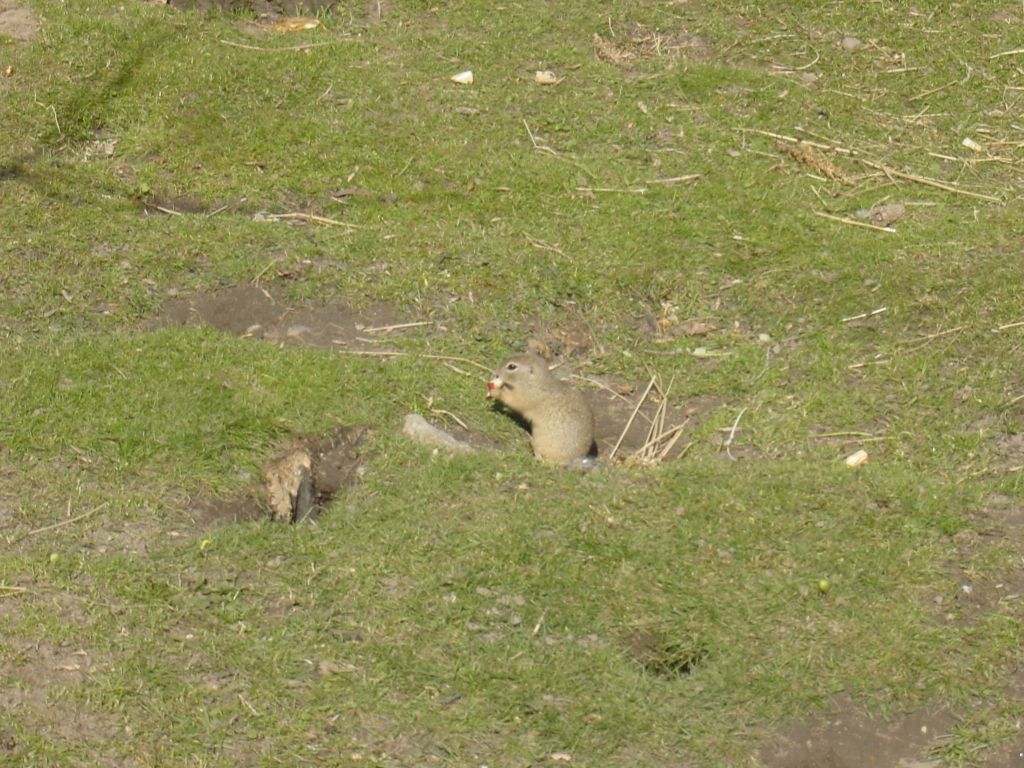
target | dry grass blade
x=649, y=452
x=311, y=217
x=925, y=181
x=69, y=521
x=853, y=222
x=277, y=49
x=397, y=326
x=632, y=418
x=660, y=440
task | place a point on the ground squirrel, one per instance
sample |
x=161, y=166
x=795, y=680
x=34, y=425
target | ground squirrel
x=561, y=421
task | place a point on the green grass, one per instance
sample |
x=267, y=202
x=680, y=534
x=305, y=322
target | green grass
x=479, y=610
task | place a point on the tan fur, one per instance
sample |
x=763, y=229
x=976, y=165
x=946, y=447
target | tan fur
x=560, y=417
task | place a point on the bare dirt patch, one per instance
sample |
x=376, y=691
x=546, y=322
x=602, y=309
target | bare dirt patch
x=17, y=22
x=848, y=738
x=41, y=675
x=262, y=312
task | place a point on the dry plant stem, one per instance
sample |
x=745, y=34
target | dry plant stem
x=310, y=217
x=674, y=433
x=542, y=245
x=892, y=173
x=924, y=180
x=635, y=190
x=1014, y=52
x=545, y=148
x=397, y=326
x=922, y=340
x=1008, y=326
x=450, y=415
x=1016, y=400
x=863, y=315
x=855, y=366
x=665, y=451
x=453, y=367
x=632, y=417
x=70, y=521
x=277, y=49
x=262, y=272
x=168, y=211
x=540, y=622
x=606, y=388
x=674, y=179
x=732, y=433
x=853, y=223
x=824, y=435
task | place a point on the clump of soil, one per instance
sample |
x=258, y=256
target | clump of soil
x=310, y=470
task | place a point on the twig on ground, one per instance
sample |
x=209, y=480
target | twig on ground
x=307, y=217
x=262, y=272
x=892, y=173
x=922, y=340
x=853, y=222
x=397, y=326
x=450, y=415
x=732, y=433
x=542, y=245
x=545, y=148
x=70, y=521
x=635, y=190
x=276, y=49
x=453, y=367
x=855, y=366
x=674, y=433
x=1008, y=326
x=783, y=68
x=925, y=181
x=863, y=315
x=1014, y=52
x=540, y=622
x=674, y=179
x=168, y=211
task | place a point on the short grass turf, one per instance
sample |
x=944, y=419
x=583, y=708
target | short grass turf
x=486, y=610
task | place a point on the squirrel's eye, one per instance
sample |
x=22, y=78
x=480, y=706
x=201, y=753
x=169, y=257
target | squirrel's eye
x=511, y=367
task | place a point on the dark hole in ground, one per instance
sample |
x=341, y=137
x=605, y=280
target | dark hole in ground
x=664, y=656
